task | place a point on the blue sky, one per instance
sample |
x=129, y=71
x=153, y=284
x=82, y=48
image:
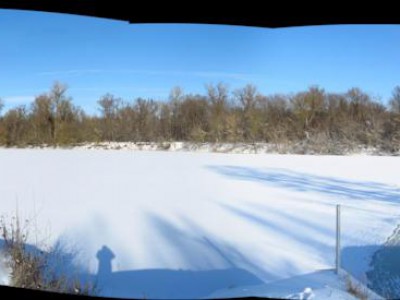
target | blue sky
x=95, y=56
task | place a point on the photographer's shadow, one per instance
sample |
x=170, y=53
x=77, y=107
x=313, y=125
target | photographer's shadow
x=165, y=283
x=105, y=257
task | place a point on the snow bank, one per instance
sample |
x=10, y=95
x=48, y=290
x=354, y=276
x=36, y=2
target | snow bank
x=242, y=148
x=238, y=148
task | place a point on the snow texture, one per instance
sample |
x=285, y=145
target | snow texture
x=185, y=225
x=323, y=284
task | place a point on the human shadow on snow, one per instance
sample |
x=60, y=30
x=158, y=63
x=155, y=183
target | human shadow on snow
x=150, y=283
x=172, y=284
x=194, y=250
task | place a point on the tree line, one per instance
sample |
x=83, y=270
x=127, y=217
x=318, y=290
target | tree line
x=313, y=117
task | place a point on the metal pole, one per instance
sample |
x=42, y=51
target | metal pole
x=337, y=238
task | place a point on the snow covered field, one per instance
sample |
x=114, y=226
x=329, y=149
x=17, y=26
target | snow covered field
x=182, y=224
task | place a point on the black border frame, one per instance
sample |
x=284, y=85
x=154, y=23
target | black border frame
x=276, y=14
x=273, y=14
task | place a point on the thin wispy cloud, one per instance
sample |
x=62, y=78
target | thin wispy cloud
x=18, y=100
x=77, y=72
x=203, y=74
x=121, y=88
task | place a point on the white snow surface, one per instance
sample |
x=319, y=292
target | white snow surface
x=185, y=225
x=324, y=284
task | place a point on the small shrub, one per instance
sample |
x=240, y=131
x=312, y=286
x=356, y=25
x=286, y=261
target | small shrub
x=33, y=268
x=356, y=290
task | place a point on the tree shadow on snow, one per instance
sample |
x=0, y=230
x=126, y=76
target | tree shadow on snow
x=303, y=182
x=209, y=264
x=148, y=283
x=194, y=250
x=298, y=236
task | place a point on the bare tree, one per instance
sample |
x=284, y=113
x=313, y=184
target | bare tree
x=247, y=99
x=60, y=106
x=308, y=106
x=275, y=116
x=43, y=119
x=193, y=118
x=16, y=129
x=357, y=100
x=176, y=94
x=313, y=117
x=1, y=105
x=176, y=99
x=146, y=111
x=394, y=101
x=218, y=97
x=109, y=106
x=165, y=124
